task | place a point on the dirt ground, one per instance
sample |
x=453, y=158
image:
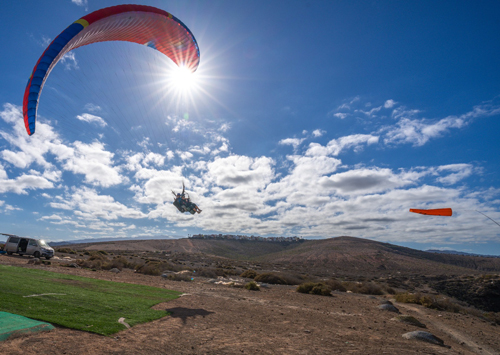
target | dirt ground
x=217, y=319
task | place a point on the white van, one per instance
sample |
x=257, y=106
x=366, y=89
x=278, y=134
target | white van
x=28, y=246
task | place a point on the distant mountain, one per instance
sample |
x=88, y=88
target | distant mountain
x=340, y=256
x=455, y=252
x=103, y=240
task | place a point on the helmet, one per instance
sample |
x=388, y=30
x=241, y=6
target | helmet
x=179, y=195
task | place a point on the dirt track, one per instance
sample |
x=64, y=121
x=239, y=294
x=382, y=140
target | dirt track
x=216, y=319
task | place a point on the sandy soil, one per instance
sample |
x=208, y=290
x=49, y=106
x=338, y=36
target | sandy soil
x=217, y=319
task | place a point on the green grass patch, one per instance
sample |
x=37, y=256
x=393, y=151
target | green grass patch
x=79, y=302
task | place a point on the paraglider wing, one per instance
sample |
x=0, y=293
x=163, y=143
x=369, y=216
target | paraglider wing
x=140, y=24
x=434, y=212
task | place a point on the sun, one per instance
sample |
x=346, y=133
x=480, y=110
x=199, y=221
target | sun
x=183, y=79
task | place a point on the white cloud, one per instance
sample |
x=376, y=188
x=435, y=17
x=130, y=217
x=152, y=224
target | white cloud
x=364, y=181
x=295, y=142
x=335, y=146
x=390, y=103
x=418, y=132
x=23, y=183
x=458, y=172
x=239, y=170
x=82, y=3
x=88, y=204
x=87, y=117
x=93, y=108
x=340, y=115
x=318, y=132
x=69, y=61
x=93, y=161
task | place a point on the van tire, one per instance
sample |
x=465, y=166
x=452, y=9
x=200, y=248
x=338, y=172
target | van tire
x=36, y=254
x=47, y=257
x=9, y=253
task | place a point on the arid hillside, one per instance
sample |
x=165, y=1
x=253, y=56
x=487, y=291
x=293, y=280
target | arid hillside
x=335, y=256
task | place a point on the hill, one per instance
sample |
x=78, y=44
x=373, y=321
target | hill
x=340, y=256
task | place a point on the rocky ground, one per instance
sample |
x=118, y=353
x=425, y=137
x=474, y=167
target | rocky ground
x=217, y=319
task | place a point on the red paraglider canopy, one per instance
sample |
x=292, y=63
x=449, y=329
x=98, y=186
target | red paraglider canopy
x=140, y=24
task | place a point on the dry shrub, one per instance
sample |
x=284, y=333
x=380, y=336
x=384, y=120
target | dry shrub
x=95, y=264
x=97, y=256
x=156, y=268
x=271, y=278
x=441, y=304
x=335, y=285
x=252, y=286
x=315, y=288
x=118, y=262
x=365, y=288
x=249, y=274
x=151, y=268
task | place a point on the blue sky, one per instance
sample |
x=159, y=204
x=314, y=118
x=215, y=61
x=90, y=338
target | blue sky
x=316, y=119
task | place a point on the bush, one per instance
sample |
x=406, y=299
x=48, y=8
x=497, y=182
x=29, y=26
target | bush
x=441, y=304
x=249, y=274
x=97, y=256
x=152, y=268
x=315, y=288
x=365, y=288
x=119, y=262
x=252, y=286
x=336, y=285
x=276, y=279
x=270, y=278
x=156, y=268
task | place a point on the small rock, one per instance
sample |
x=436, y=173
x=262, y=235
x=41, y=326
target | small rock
x=388, y=307
x=386, y=302
x=115, y=270
x=35, y=261
x=425, y=336
x=74, y=265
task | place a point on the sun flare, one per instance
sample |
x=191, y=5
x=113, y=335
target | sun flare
x=182, y=79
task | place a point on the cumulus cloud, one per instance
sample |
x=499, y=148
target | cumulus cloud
x=87, y=117
x=294, y=142
x=94, y=162
x=457, y=172
x=389, y=103
x=23, y=183
x=318, y=132
x=239, y=170
x=335, y=146
x=88, y=204
x=364, y=181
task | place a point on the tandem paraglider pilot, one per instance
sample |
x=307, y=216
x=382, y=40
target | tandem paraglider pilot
x=183, y=203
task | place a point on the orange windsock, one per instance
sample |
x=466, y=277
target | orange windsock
x=434, y=212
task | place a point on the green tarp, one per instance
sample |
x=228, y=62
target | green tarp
x=12, y=324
